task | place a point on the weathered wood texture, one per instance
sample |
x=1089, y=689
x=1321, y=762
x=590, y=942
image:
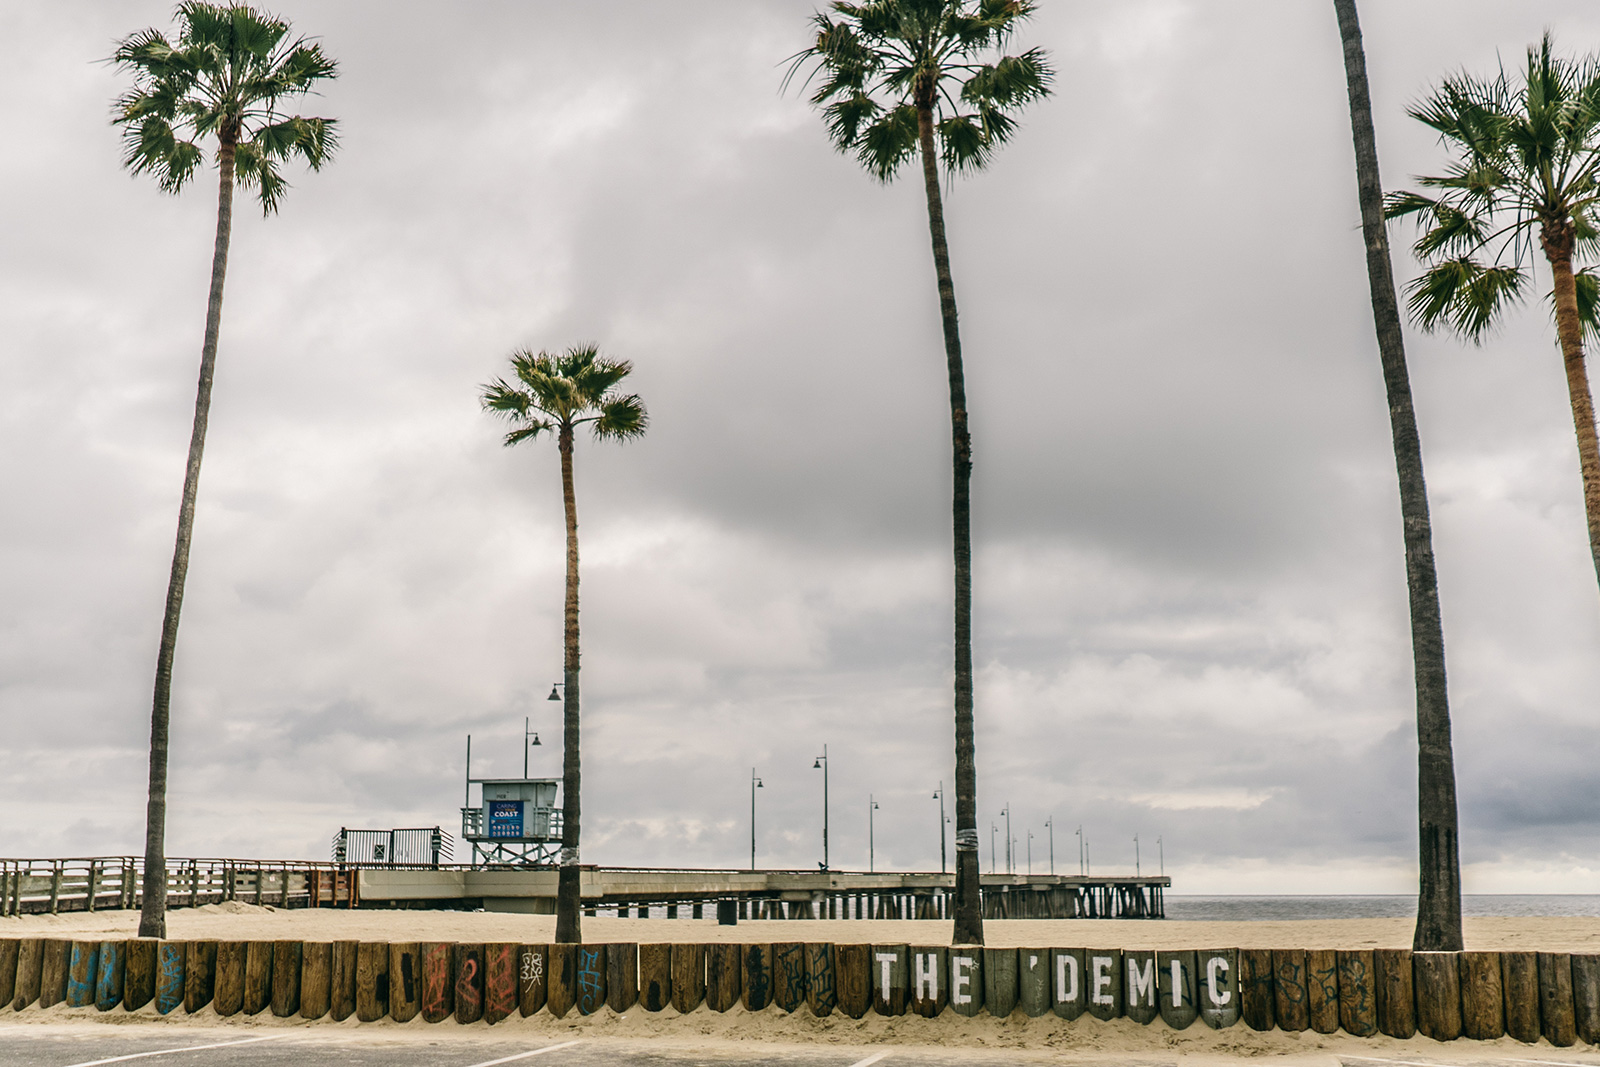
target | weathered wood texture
x=466, y=969
x=499, y=980
x=286, y=957
x=1257, y=1005
x=1068, y=987
x=258, y=956
x=756, y=981
x=1397, y=1005
x=200, y=975
x=1483, y=1012
x=405, y=980
x=1558, y=1020
x=655, y=976
x=561, y=977
x=83, y=960
x=622, y=976
x=789, y=975
x=372, y=981
x=1586, y=996
x=966, y=980
x=822, y=993
x=590, y=976
x=688, y=977
x=1180, y=1005
x=724, y=974
x=438, y=986
x=342, y=980
x=930, y=985
x=109, y=975
x=1217, y=986
x=533, y=975
x=1358, y=998
x=9, y=948
x=228, y=984
x=1000, y=981
x=316, y=979
x=891, y=965
x=1519, y=977
x=1290, y=1001
x=1141, y=995
x=1436, y=977
x=852, y=969
x=1102, y=971
x=138, y=978
x=53, y=972
x=1033, y=981
x=170, y=959
x=1322, y=989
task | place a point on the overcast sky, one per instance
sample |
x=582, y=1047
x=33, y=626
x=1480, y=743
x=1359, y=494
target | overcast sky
x=1190, y=595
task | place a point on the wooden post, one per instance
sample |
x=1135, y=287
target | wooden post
x=1256, y=1000
x=560, y=983
x=590, y=976
x=1322, y=989
x=533, y=968
x=228, y=983
x=1103, y=979
x=1358, y=998
x=655, y=976
x=1519, y=977
x=500, y=997
x=1290, y=1001
x=372, y=980
x=1555, y=999
x=929, y=980
x=82, y=962
x=1397, y=1006
x=108, y=977
x=789, y=975
x=94, y=883
x=437, y=1001
x=316, y=979
x=1000, y=980
x=1068, y=982
x=622, y=976
x=852, y=968
x=170, y=957
x=724, y=971
x=286, y=977
x=1483, y=1013
x=1437, y=982
x=966, y=980
x=1180, y=1005
x=55, y=895
x=199, y=975
x=53, y=972
x=891, y=966
x=822, y=978
x=1585, y=997
x=1033, y=981
x=757, y=978
x=688, y=977
x=466, y=964
x=257, y=975
x=139, y=973
x=1141, y=996
x=342, y=980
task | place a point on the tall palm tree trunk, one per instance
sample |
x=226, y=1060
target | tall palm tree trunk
x=568, y=930
x=1439, y=897
x=968, y=909
x=153, y=915
x=1557, y=240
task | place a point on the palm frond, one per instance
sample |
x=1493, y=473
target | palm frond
x=1465, y=295
x=1588, y=286
x=621, y=418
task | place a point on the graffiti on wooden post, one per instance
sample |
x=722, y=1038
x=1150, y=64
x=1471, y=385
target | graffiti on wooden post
x=591, y=980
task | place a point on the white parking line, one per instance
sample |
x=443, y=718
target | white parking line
x=1435, y=1063
x=874, y=1058
x=524, y=1055
x=170, y=1051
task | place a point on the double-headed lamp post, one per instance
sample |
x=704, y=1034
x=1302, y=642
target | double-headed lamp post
x=755, y=783
x=939, y=796
x=822, y=764
x=872, y=806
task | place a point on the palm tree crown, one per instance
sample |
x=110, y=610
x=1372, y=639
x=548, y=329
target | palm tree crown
x=223, y=77
x=565, y=391
x=882, y=61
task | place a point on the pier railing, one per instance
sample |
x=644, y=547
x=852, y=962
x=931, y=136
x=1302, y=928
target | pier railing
x=105, y=883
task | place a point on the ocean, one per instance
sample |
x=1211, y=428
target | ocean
x=1244, y=909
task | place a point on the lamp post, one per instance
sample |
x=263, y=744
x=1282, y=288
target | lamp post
x=1079, y=832
x=939, y=794
x=1030, y=852
x=1136, y=871
x=527, y=733
x=1086, y=857
x=755, y=783
x=1011, y=865
x=992, y=829
x=872, y=806
x=822, y=763
x=1050, y=824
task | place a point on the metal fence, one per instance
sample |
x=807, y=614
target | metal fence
x=423, y=846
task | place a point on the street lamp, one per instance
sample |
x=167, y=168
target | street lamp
x=822, y=764
x=755, y=783
x=1050, y=824
x=1011, y=866
x=527, y=733
x=992, y=829
x=1079, y=832
x=872, y=806
x=939, y=795
x=1136, y=872
x=1030, y=852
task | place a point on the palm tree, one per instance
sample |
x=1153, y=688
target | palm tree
x=558, y=394
x=1526, y=163
x=904, y=78
x=221, y=80
x=1439, y=889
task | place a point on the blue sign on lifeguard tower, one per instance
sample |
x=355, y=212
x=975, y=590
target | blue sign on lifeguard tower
x=505, y=818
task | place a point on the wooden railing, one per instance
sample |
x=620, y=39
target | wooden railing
x=116, y=882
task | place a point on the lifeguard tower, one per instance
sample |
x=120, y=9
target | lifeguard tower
x=515, y=823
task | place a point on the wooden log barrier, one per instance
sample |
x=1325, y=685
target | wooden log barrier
x=438, y=987
x=1556, y=1014
x=1322, y=989
x=822, y=992
x=688, y=977
x=139, y=974
x=228, y=981
x=1217, y=986
x=342, y=980
x=286, y=977
x=1358, y=998
x=1586, y=997
x=1290, y=1001
x=499, y=981
x=316, y=979
x=82, y=964
x=466, y=966
x=1519, y=976
x=1436, y=979
x=1068, y=995
x=589, y=974
x=1396, y=996
x=109, y=975
x=1033, y=981
x=891, y=966
x=1257, y=1005
x=560, y=980
x=405, y=980
x=655, y=976
x=372, y=981
x=9, y=948
x=1141, y=998
x=756, y=982
x=966, y=980
x=257, y=975
x=1102, y=969
x=1176, y=973
x=199, y=975
x=724, y=971
x=533, y=971
x=170, y=959
x=789, y=975
x=852, y=969
x=622, y=976
x=1000, y=981
x=53, y=972
x=930, y=988
x=1483, y=1013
